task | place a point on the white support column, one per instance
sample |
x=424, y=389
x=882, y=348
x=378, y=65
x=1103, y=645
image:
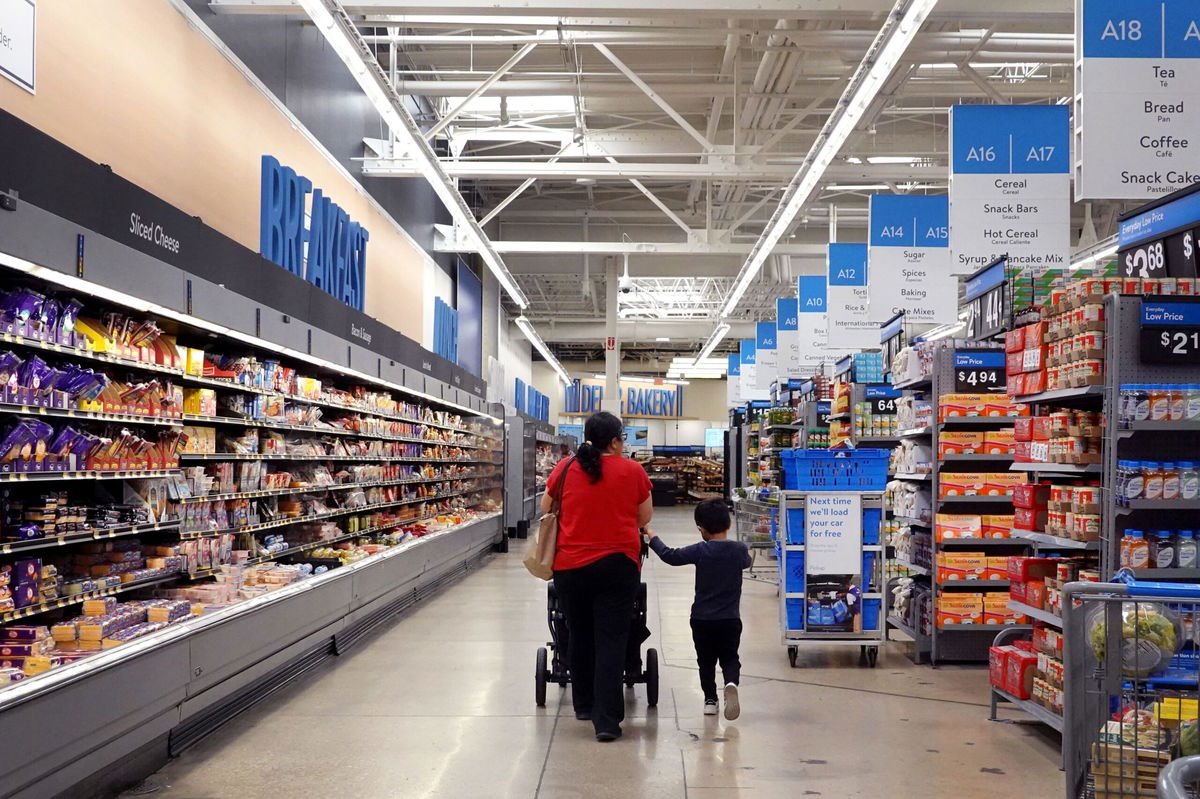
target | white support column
x=612, y=357
x=480, y=89
x=655, y=96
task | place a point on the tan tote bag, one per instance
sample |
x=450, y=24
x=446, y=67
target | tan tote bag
x=539, y=560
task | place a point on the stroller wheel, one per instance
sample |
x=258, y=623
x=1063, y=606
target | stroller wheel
x=539, y=678
x=652, y=677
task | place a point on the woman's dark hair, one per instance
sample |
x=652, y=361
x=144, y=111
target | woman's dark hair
x=598, y=432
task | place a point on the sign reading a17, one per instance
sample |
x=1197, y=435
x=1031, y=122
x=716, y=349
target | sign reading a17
x=1040, y=154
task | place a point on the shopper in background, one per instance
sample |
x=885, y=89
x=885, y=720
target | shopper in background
x=605, y=499
x=716, y=611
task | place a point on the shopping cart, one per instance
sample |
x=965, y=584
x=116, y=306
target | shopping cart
x=1132, y=688
x=552, y=658
x=1179, y=778
x=755, y=525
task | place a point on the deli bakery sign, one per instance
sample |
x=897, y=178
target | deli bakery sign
x=640, y=400
x=315, y=240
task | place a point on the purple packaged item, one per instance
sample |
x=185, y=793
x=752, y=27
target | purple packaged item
x=10, y=362
x=18, y=435
x=37, y=374
x=21, y=305
x=68, y=315
x=65, y=442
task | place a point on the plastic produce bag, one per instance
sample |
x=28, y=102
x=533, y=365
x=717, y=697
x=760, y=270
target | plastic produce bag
x=1150, y=636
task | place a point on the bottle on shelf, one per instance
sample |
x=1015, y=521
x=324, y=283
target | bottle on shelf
x=1135, y=551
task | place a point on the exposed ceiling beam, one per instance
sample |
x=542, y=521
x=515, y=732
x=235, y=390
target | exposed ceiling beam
x=726, y=169
x=443, y=244
x=484, y=85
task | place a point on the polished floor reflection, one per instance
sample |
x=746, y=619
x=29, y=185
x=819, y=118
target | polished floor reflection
x=441, y=705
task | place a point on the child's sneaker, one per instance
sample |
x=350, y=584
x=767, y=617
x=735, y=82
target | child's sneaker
x=733, y=708
x=710, y=707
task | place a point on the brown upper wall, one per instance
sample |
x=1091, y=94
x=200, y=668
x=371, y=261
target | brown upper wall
x=130, y=84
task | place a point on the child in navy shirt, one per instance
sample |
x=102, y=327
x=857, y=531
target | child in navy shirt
x=716, y=615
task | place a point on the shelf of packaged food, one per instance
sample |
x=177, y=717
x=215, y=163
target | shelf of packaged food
x=975, y=500
x=975, y=585
x=1157, y=505
x=958, y=422
x=1058, y=468
x=1190, y=575
x=982, y=628
x=981, y=542
x=253, y=456
x=80, y=537
x=1053, y=541
x=905, y=476
x=974, y=457
x=921, y=638
x=844, y=416
x=1191, y=426
x=277, y=492
x=915, y=432
x=331, y=431
x=1036, y=613
x=67, y=413
x=877, y=440
x=1063, y=395
x=127, y=474
x=77, y=599
x=925, y=381
x=91, y=355
x=291, y=520
x=790, y=427
x=912, y=567
x=913, y=521
x=1042, y=714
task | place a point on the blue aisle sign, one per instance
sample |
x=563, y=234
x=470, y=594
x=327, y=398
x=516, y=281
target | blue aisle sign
x=909, y=259
x=735, y=365
x=767, y=354
x=849, y=322
x=330, y=251
x=1137, y=124
x=811, y=290
x=1010, y=185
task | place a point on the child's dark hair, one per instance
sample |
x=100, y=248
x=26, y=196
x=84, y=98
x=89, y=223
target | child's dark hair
x=712, y=515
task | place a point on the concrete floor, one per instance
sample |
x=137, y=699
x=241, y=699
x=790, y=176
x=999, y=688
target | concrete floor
x=441, y=704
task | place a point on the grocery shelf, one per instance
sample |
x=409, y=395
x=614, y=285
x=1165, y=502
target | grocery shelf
x=97, y=534
x=1159, y=427
x=903, y=476
x=1064, y=395
x=77, y=599
x=1044, y=715
x=980, y=542
x=972, y=457
x=1058, y=468
x=915, y=432
x=1191, y=575
x=253, y=456
x=1036, y=613
x=877, y=440
x=921, y=638
x=125, y=474
x=1053, y=541
x=922, y=570
x=912, y=521
x=70, y=413
x=844, y=416
x=925, y=381
x=955, y=422
x=1158, y=505
x=983, y=628
x=330, y=431
x=80, y=352
x=975, y=585
x=276, y=492
x=975, y=499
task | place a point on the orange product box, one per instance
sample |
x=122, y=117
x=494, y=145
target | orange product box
x=996, y=610
x=1035, y=594
x=960, y=484
x=1023, y=428
x=999, y=442
x=1040, y=428
x=1015, y=385
x=1035, y=335
x=957, y=566
x=1021, y=668
x=1033, y=359
x=1033, y=519
x=999, y=405
x=1027, y=568
x=953, y=406
x=999, y=484
x=960, y=442
x=1031, y=495
x=955, y=525
x=998, y=665
x=997, y=568
x=957, y=609
x=1014, y=363
x=997, y=525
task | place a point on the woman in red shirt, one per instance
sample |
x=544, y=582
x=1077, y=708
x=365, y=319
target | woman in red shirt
x=605, y=499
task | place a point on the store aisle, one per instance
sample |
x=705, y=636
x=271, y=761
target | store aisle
x=441, y=704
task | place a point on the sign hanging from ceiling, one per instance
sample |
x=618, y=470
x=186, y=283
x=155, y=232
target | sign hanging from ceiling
x=849, y=314
x=749, y=378
x=766, y=345
x=18, y=42
x=812, y=303
x=733, y=380
x=1010, y=186
x=643, y=400
x=909, y=259
x=1136, y=119
x=787, y=339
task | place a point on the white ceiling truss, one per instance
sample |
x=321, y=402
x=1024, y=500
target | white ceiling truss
x=664, y=131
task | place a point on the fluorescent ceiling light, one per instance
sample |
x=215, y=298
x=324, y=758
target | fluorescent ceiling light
x=663, y=338
x=721, y=331
x=897, y=33
x=1100, y=251
x=536, y=340
x=331, y=20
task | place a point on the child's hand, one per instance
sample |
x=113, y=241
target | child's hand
x=646, y=534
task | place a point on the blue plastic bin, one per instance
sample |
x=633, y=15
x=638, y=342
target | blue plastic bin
x=870, y=613
x=870, y=525
x=794, y=579
x=795, y=614
x=868, y=568
x=835, y=470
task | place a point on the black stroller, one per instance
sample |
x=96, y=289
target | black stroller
x=552, y=658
